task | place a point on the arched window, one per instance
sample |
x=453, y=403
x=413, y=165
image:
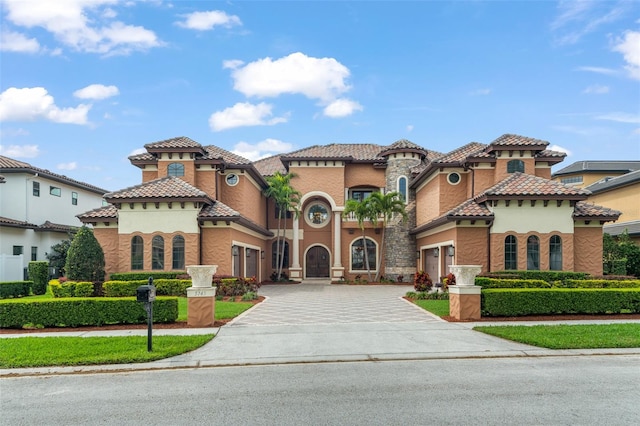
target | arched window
x=275, y=259
x=175, y=169
x=137, y=253
x=402, y=188
x=178, y=253
x=555, y=253
x=533, y=253
x=515, y=166
x=510, y=252
x=157, y=252
x=358, y=262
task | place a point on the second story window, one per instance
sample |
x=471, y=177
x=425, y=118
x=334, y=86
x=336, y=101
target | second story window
x=515, y=166
x=360, y=194
x=402, y=188
x=74, y=198
x=54, y=190
x=36, y=189
x=175, y=169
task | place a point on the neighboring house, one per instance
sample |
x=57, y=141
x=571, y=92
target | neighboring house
x=493, y=205
x=620, y=193
x=38, y=209
x=584, y=173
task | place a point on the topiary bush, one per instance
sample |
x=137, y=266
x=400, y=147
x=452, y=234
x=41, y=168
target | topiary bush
x=39, y=274
x=85, y=258
x=15, y=289
x=422, y=281
x=71, y=288
x=93, y=311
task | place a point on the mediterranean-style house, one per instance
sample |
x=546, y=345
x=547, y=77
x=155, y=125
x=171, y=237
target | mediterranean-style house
x=38, y=209
x=492, y=204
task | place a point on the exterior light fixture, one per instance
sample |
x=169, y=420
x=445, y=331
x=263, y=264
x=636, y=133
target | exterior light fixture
x=234, y=251
x=436, y=252
x=451, y=251
x=417, y=254
x=248, y=252
x=262, y=254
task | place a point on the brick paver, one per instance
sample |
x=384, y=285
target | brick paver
x=323, y=303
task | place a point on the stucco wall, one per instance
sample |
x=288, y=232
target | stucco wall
x=525, y=218
x=588, y=249
x=216, y=249
x=245, y=197
x=471, y=246
x=497, y=250
x=161, y=219
x=328, y=179
x=206, y=180
x=625, y=200
x=189, y=168
x=427, y=202
x=452, y=195
x=149, y=173
x=501, y=164
x=483, y=179
x=108, y=239
x=363, y=175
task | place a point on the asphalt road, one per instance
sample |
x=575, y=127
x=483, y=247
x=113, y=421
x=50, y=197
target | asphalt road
x=585, y=390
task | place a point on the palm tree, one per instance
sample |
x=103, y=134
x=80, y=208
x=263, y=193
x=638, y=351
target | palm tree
x=286, y=199
x=362, y=213
x=385, y=206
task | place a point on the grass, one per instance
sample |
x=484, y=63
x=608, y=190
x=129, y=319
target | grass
x=436, y=307
x=26, y=352
x=598, y=336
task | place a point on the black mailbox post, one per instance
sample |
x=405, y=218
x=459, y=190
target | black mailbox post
x=147, y=294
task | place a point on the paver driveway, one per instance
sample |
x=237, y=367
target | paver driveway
x=324, y=303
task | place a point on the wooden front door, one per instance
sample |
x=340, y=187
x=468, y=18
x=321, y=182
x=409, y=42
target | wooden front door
x=317, y=262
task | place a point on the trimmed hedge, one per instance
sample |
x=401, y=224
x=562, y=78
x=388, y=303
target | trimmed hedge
x=548, y=276
x=485, y=282
x=517, y=302
x=15, y=289
x=164, y=287
x=71, y=288
x=602, y=283
x=136, y=276
x=91, y=311
x=39, y=274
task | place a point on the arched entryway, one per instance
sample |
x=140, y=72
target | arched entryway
x=317, y=262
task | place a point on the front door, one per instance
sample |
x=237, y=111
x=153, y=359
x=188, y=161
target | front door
x=317, y=262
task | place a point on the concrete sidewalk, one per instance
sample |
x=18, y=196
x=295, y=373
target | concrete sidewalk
x=328, y=323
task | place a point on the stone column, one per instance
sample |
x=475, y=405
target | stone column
x=201, y=296
x=464, y=296
x=295, y=272
x=337, y=271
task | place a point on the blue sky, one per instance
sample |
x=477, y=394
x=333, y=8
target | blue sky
x=86, y=83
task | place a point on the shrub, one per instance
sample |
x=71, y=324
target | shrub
x=517, y=302
x=164, y=287
x=85, y=258
x=235, y=286
x=548, y=276
x=74, y=312
x=39, y=274
x=249, y=296
x=485, y=282
x=422, y=281
x=58, y=256
x=137, y=276
x=71, y=288
x=15, y=289
x=601, y=283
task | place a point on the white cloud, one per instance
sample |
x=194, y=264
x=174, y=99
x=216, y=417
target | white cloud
x=203, y=21
x=137, y=151
x=629, y=46
x=232, y=64
x=480, y=92
x=17, y=42
x=244, y=114
x=596, y=89
x=34, y=103
x=576, y=19
x=83, y=25
x=410, y=128
x=20, y=151
x=559, y=148
x=598, y=70
x=67, y=166
x=315, y=78
x=620, y=117
x=96, y=91
x=262, y=149
x=341, y=108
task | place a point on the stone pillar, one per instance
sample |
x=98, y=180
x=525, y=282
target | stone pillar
x=201, y=296
x=295, y=272
x=464, y=296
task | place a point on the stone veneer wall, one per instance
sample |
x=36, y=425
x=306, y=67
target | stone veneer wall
x=400, y=246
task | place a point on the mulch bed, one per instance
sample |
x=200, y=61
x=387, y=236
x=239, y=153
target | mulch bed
x=551, y=318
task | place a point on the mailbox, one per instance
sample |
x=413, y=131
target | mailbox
x=146, y=293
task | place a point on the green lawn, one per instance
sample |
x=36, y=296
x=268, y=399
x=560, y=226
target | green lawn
x=25, y=352
x=570, y=336
x=436, y=307
x=224, y=310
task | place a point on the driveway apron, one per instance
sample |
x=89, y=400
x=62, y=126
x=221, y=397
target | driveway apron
x=321, y=322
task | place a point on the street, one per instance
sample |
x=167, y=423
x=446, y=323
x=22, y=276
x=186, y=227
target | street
x=516, y=391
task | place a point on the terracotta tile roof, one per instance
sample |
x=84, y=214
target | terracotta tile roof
x=470, y=209
x=145, y=156
x=356, y=151
x=270, y=165
x=9, y=165
x=220, y=211
x=403, y=145
x=460, y=155
x=585, y=210
x=511, y=140
x=173, y=143
x=5, y=221
x=166, y=189
x=551, y=153
x=529, y=186
x=105, y=212
x=214, y=152
x=56, y=227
